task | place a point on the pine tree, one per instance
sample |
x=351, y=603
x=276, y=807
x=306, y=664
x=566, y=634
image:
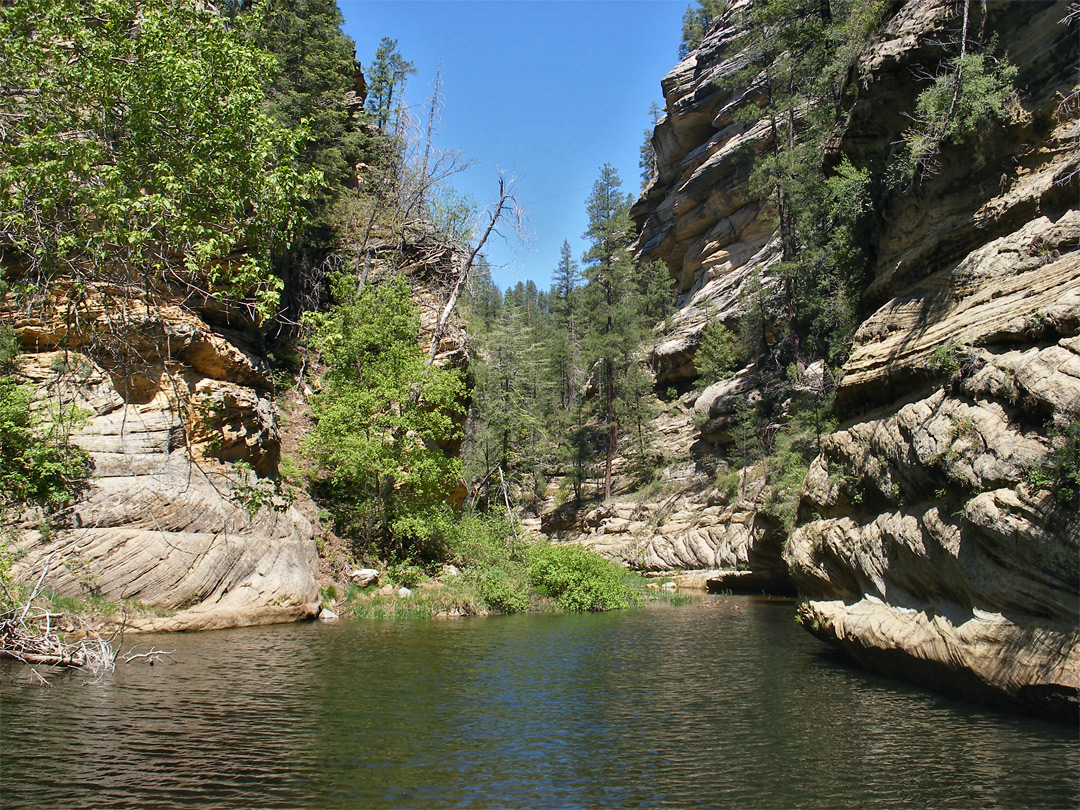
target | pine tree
x=313, y=84
x=386, y=82
x=564, y=339
x=614, y=326
x=798, y=52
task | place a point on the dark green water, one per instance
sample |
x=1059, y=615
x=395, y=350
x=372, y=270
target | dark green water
x=723, y=703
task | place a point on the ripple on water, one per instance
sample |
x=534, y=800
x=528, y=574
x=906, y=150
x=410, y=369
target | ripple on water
x=722, y=703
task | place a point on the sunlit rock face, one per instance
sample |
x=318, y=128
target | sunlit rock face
x=167, y=408
x=697, y=214
x=180, y=513
x=925, y=547
x=927, y=542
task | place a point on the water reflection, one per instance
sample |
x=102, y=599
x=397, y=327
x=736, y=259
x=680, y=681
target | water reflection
x=724, y=703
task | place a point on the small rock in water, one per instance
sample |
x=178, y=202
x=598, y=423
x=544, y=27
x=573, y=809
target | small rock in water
x=670, y=586
x=327, y=615
x=364, y=576
x=403, y=592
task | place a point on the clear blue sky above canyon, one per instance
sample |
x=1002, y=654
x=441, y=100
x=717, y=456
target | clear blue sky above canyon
x=548, y=91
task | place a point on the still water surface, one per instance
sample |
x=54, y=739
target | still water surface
x=723, y=703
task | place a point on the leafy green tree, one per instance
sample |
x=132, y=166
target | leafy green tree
x=137, y=151
x=312, y=85
x=38, y=464
x=382, y=420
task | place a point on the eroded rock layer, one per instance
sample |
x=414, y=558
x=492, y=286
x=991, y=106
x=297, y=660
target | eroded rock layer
x=932, y=544
x=168, y=520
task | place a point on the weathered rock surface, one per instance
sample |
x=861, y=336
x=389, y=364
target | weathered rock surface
x=923, y=546
x=697, y=214
x=925, y=550
x=165, y=520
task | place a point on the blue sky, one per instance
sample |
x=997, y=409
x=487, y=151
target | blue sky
x=547, y=90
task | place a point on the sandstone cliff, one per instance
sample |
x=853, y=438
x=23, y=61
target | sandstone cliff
x=922, y=545
x=698, y=216
x=164, y=521
x=925, y=547
x=174, y=392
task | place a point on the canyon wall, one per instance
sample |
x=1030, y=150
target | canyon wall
x=170, y=398
x=929, y=542
x=184, y=517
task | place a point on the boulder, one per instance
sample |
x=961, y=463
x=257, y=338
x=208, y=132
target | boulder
x=362, y=577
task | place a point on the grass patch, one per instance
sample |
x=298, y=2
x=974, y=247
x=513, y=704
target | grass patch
x=95, y=609
x=501, y=572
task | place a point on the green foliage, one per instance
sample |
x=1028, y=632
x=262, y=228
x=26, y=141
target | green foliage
x=646, y=153
x=780, y=447
x=381, y=420
x=950, y=359
x=1062, y=473
x=616, y=323
x=404, y=573
x=308, y=86
x=799, y=53
x=328, y=595
x=504, y=591
x=254, y=494
x=557, y=380
x=139, y=148
x=728, y=483
x=794, y=450
x=386, y=78
x=9, y=345
x=578, y=579
x=718, y=355
x=971, y=96
x=38, y=464
x=453, y=215
x=655, y=291
x=696, y=23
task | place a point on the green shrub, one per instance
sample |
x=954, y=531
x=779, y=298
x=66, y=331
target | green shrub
x=38, y=464
x=496, y=569
x=962, y=104
x=578, y=579
x=1062, y=473
x=504, y=591
x=719, y=354
x=950, y=358
x=404, y=573
x=328, y=595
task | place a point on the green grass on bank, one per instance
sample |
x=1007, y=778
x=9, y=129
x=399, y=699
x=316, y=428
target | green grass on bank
x=500, y=572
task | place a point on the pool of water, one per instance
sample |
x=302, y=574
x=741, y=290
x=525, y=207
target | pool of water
x=721, y=703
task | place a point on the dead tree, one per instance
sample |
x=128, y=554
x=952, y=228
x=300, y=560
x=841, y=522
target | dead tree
x=506, y=208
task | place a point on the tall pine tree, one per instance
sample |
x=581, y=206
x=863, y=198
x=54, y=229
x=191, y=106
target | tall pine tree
x=614, y=327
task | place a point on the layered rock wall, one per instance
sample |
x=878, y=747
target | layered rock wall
x=927, y=543
x=165, y=521
x=926, y=548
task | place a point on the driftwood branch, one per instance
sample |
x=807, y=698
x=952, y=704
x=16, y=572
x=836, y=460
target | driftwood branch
x=29, y=633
